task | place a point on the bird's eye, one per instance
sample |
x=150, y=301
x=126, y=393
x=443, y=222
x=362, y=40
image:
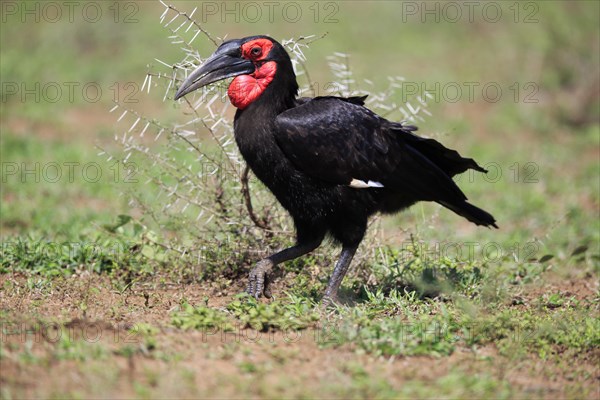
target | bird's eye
x=256, y=51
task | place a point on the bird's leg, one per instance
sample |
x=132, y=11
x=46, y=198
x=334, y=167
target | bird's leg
x=259, y=276
x=258, y=282
x=341, y=267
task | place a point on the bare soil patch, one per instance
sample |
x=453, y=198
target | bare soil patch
x=78, y=335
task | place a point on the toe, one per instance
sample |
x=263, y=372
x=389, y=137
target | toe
x=251, y=284
x=267, y=289
x=255, y=284
x=329, y=301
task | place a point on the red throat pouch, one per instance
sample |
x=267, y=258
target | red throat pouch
x=244, y=89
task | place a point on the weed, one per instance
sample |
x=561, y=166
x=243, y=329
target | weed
x=298, y=313
x=200, y=317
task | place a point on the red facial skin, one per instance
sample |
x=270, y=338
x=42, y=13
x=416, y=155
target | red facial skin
x=244, y=89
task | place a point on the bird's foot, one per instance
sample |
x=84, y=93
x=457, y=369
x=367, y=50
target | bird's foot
x=258, y=283
x=329, y=301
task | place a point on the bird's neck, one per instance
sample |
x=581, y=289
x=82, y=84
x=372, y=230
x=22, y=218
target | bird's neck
x=254, y=126
x=254, y=129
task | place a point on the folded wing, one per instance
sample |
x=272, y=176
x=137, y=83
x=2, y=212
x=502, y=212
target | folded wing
x=339, y=141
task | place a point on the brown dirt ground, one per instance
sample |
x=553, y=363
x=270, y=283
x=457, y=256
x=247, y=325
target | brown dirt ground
x=212, y=363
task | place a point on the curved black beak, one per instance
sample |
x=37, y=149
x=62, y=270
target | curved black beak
x=225, y=63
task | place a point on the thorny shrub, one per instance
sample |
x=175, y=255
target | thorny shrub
x=199, y=197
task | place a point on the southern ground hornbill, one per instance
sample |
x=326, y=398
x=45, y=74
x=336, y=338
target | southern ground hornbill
x=330, y=161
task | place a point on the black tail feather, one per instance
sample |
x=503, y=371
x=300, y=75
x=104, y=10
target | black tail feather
x=448, y=160
x=474, y=214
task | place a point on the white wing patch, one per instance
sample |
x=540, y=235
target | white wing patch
x=358, y=184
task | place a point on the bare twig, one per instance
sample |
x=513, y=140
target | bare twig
x=192, y=21
x=261, y=223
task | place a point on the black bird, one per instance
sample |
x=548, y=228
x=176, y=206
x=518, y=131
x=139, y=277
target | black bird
x=330, y=161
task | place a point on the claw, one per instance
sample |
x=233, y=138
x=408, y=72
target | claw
x=329, y=301
x=267, y=289
x=251, y=285
x=258, y=282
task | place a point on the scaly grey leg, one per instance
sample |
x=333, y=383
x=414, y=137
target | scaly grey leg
x=259, y=277
x=341, y=267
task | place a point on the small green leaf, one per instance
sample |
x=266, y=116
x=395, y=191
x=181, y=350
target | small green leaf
x=148, y=252
x=122, y=219
x=579, y=250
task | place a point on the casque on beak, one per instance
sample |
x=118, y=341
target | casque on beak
x=226, y=62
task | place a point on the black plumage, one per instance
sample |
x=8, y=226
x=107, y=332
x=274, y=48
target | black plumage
x=330, y=161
